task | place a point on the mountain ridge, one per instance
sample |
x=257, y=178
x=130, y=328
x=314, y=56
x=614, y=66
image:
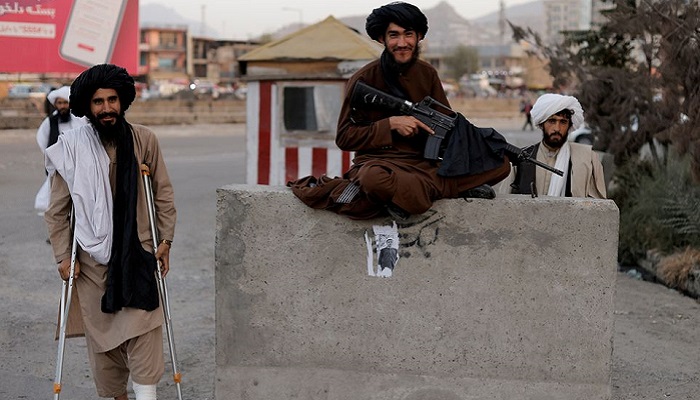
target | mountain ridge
x=447, y=28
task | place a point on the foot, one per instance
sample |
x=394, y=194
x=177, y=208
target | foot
x=480, y=192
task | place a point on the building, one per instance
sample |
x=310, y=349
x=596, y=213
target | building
x=566, y=15
x=295, y=91
x=503, y=64
x=597, y=12
x=163, y=53
x=217, y=60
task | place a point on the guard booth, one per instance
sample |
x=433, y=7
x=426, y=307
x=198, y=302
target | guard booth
x=295, y=91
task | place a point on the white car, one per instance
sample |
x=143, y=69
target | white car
x=582, y=135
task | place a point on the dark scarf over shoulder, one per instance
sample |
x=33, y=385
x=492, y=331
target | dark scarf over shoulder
x=391, y=71
x=54, y=119
x=131, y=280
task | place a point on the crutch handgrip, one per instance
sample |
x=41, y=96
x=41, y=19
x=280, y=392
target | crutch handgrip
x=145, y=171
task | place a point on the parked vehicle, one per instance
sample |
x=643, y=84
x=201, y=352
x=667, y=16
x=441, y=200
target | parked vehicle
x=24, y=90
x=582, y=135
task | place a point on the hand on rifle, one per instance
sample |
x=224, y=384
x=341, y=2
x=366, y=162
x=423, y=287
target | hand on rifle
x=163, y=256
x=407, y=126
x=64, y=268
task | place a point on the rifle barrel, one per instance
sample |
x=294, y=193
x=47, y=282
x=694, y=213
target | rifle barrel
x=545, y=166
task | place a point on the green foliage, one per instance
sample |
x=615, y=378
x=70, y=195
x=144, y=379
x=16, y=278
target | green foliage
x=658, y=208
x=637, y=80
x=464, y=60
x=600, y=48
x=641, y=65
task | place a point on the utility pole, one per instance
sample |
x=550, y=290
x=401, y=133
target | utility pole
x=502, y=21
x=298, y=10
x=202, y=23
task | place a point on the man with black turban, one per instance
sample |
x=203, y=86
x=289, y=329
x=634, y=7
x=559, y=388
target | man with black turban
x=95, y=169
x=389, y=173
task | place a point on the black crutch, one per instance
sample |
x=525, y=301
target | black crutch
x=66, y=293
x=162, y=286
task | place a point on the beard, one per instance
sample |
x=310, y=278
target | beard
x=400, y=67
x=64, y=115
x=108, y=132
x=554, y=143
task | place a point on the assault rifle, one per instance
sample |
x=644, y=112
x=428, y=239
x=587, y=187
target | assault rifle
x=365, y=96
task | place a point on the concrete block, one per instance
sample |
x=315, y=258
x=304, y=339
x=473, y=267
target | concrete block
x=509, y=298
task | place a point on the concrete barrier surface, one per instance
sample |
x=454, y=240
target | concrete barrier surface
x=509, y=298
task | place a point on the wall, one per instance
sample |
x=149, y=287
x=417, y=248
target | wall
x=498, y=299
x=28, y=114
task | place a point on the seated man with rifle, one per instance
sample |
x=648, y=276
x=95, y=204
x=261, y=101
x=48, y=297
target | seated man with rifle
x=396, y=118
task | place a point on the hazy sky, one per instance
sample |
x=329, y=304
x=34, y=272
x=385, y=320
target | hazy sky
x=244, y=19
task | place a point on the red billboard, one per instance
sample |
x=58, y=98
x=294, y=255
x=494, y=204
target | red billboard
x=67, y=36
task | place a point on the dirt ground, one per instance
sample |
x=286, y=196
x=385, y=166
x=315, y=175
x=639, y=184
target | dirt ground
x=656, y=336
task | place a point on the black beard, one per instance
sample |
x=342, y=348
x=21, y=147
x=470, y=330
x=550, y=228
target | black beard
x=64, y=116
x=108, y=133
x=552, y=144
x=394, y=66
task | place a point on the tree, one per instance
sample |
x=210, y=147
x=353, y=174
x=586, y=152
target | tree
x=464, y=60
x=636, y=77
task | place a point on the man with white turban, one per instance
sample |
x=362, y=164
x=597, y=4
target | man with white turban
x=557, y=115
x=60, y=120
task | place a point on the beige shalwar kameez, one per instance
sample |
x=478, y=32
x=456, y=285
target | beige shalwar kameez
x=116, y=332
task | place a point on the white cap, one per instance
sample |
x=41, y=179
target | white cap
x=550, y=104
x=60, y=93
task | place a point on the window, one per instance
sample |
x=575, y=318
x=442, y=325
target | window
x=299, y=109
x=168, y=39
x=166, y=63
x=311, y=107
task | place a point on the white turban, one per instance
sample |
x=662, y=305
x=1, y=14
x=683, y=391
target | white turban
x=550, y=104
x=60, y=93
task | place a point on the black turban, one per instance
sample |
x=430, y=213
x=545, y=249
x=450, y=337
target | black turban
x=103, y=76
x=402, y=14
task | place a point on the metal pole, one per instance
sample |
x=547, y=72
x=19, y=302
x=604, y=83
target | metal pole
x=162, y=285
x=66, y=293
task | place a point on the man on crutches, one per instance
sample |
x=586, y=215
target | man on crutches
x=95, y=169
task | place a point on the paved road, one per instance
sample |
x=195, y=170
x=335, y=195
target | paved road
x=656, y=335
x=200, y=159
